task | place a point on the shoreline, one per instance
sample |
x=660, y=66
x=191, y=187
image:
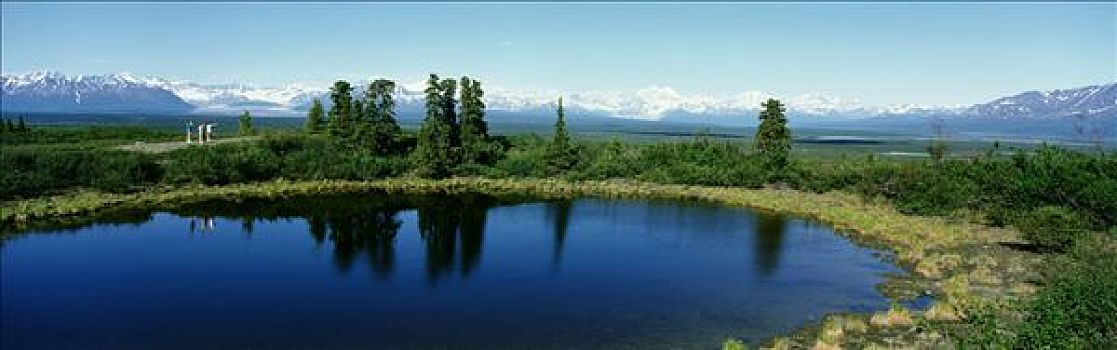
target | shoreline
x=961, y=265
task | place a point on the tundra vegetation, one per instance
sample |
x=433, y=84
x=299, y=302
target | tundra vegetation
x=1053, y=210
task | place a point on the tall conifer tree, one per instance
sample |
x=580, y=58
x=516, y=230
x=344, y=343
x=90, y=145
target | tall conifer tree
x=448, y=88
x=561, y=153
x=433, y=152
x=773, y=137
x=380, y=116
x=244, y=125
x=341, y=112
x=315, y=118
x=474, y=131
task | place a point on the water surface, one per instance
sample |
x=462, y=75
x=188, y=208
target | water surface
x=430, y=272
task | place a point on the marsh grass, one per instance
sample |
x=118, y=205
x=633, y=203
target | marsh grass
x=896, y=316
x=733, y=344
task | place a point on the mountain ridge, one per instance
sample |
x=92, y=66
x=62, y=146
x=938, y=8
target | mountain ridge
x=58, y=93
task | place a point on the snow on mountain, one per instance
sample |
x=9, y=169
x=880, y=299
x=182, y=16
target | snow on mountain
x=55, y=92
x=650, y=103
x=656, y=102
x=1097, y=100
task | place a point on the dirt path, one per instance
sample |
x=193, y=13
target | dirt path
x=161, y=147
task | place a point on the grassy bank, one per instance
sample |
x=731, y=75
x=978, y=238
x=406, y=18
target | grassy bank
x=959, y=262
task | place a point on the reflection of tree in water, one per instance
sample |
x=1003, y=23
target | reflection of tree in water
x=558, y=213
x=474, y=214
x=317, y=228
x=441, y=221
x=452, y=227
x=247, y=224
x=438, y=225
x=768, y=242
x=353, y=224
x=372, y=233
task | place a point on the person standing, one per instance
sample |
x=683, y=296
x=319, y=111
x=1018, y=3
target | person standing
x=189, y=131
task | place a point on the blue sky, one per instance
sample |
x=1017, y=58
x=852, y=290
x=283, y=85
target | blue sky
x=878, y=53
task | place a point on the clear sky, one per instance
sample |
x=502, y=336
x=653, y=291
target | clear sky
x=878, y=53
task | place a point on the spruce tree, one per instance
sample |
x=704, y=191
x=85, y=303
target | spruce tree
x=381, y=116
x=449, y=91
x=341, y=113
x=562, y=154
x=773, y=137
x=356, y=134
x=315, y=118
x=433, y=152
x=9, y=126
x=357, y=112
x=244, y=125
x=22, y=127
x=474, y=131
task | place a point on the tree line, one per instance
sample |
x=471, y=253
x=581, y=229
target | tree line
x=363, y=122
x=453, y=135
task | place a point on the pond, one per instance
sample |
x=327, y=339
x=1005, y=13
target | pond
x=465, y=271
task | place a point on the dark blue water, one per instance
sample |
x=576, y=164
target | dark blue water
x=430, y=272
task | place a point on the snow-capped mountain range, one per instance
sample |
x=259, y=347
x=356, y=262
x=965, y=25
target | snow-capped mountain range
x=58, y=93
x=55, y=92
x=1097, y=100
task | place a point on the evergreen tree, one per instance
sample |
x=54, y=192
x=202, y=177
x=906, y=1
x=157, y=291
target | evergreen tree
x=244, y=125
x=380, y=120
x=341, y=113
x=475, y=144
x=773, y=137
x=450, y=114
x=355, y=133
x=9, y=126
x=357, y=113
x=315, y=118
x=433, y=152
x=22, y=127
x=561, y=153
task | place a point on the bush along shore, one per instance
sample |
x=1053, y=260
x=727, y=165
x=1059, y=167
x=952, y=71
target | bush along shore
x=1017, y=250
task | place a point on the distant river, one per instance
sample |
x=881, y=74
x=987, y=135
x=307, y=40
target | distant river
x=477, y=272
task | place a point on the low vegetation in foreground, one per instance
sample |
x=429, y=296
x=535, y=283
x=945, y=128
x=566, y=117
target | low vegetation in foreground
x=1018, y=249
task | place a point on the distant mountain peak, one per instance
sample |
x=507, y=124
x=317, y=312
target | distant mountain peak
x=51, y=91
x=1094, y=100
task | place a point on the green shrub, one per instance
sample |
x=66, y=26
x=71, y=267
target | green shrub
x=523, y=162
x=34, y=172
x=1052, y=227
x=125, y=172
x=1078, y=310
x=291, y=157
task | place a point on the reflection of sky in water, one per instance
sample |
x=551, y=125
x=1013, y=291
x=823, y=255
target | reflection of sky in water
x=461, y=272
